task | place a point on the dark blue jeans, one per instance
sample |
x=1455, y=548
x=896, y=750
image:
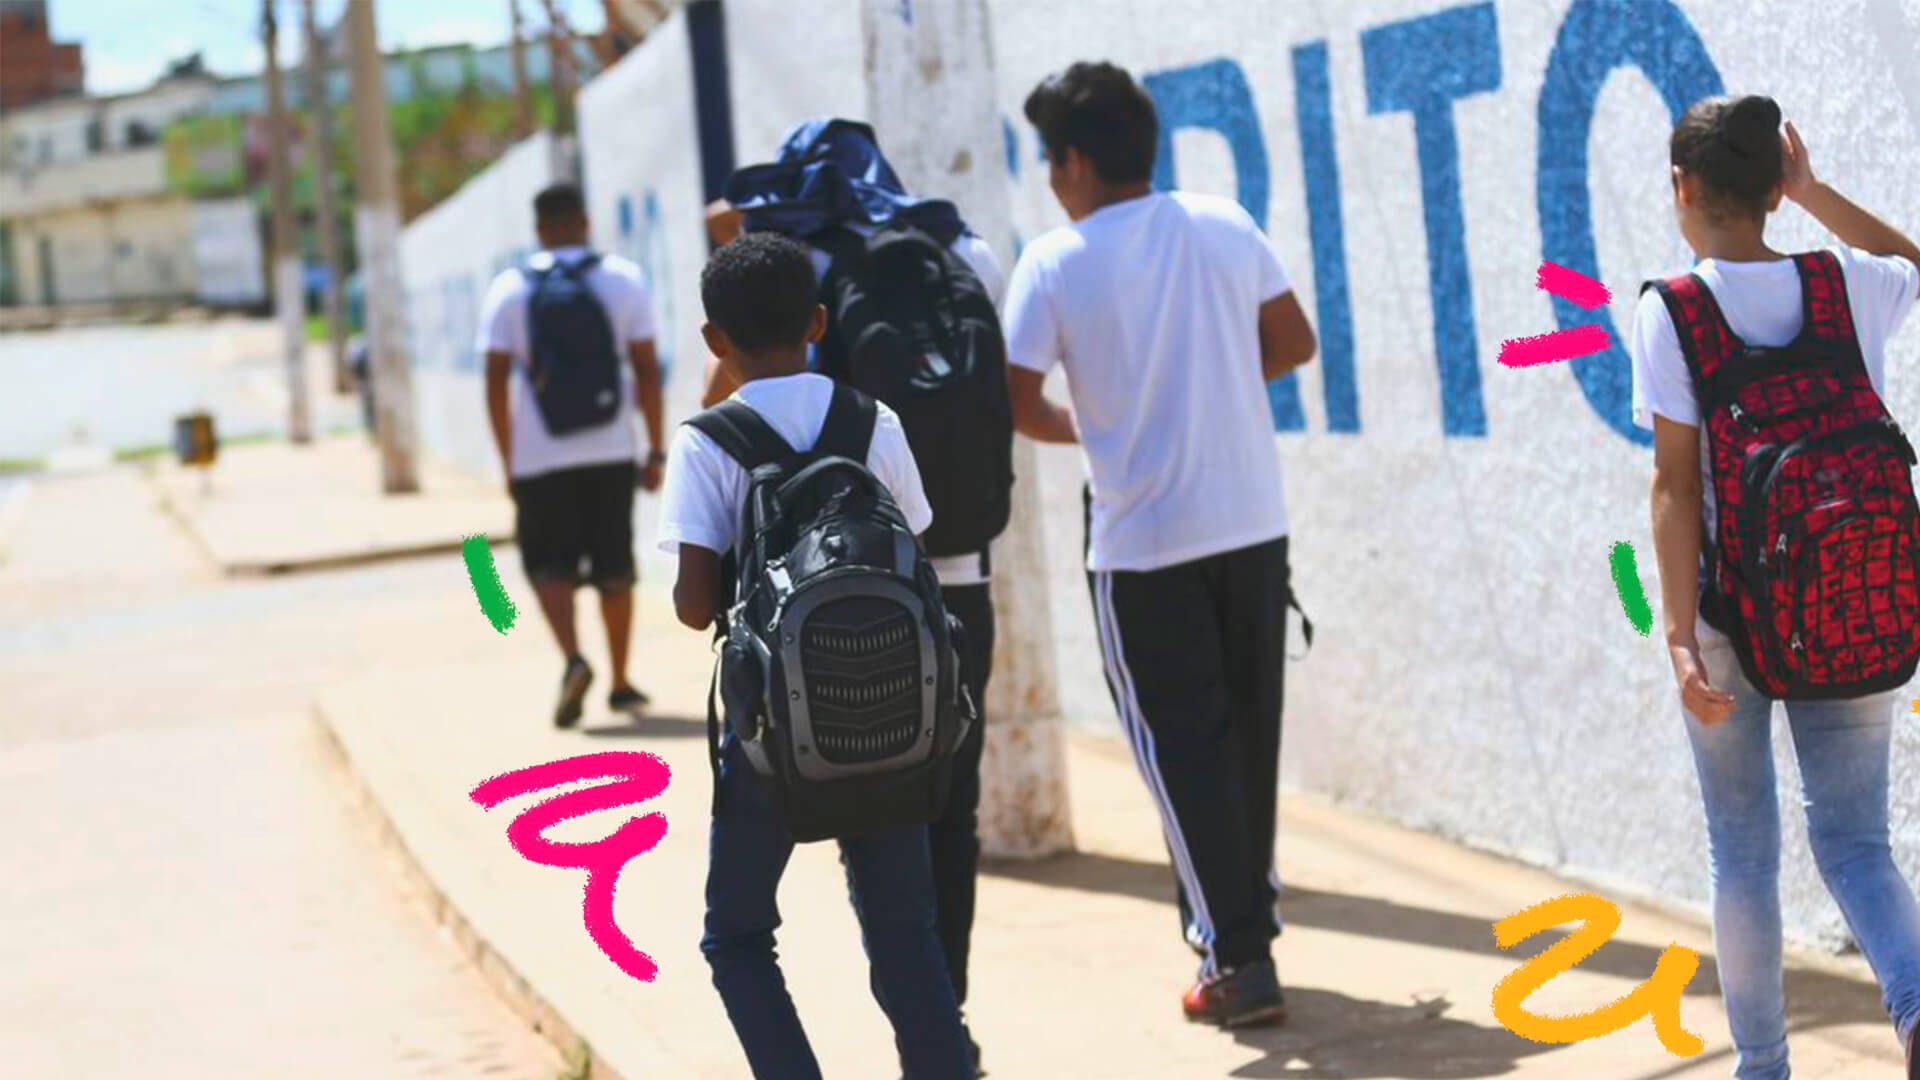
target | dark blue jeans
x=890, y=879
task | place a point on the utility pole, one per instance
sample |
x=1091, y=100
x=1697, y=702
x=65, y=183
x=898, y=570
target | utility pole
x=939, y=62
x=376, y=223
x=522, y=90
x=288, y=297
x=559, y=68
x=320, y=107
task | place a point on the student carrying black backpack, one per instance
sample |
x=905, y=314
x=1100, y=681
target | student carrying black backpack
x=841, y=676
x=911, y=296
x=839, y=668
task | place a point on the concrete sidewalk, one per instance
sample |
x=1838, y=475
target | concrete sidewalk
x=1078, y=964
x=273, y=507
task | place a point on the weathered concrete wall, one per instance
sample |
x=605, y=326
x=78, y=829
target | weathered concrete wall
x=1414, y=162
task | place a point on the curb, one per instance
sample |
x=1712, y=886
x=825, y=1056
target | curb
x=521, y=996
x=273, y=568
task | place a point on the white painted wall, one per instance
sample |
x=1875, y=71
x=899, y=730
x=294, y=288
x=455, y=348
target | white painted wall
x=1474, y=674
x=227, y=251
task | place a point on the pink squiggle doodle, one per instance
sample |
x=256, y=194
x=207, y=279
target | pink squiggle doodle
x=634, y=776
x=1573, y=285
x=1559, y=345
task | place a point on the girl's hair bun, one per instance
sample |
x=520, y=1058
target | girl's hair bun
x=1751, y=127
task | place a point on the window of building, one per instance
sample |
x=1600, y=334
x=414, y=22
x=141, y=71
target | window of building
x=139, y=134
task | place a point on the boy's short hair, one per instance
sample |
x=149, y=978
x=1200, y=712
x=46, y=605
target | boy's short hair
x=1100, y=111
x=559, y=201
x=760, y=291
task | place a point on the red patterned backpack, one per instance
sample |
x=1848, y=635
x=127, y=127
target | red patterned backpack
x=1811, y=569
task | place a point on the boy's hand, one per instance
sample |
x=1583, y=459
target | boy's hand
x=1797, y=179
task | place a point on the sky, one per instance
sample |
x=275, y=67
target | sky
x=128, y=43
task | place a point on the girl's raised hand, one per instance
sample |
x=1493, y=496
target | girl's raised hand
x=1797, y=177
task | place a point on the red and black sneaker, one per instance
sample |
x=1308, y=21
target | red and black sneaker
x=1246, y=996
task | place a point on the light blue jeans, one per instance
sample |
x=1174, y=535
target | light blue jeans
x=1842, y=750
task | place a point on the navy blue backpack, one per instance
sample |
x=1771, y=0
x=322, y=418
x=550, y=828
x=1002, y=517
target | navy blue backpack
x=574, y=368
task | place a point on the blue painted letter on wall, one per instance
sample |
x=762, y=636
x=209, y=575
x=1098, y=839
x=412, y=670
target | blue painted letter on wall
x=1420, y=66
x=1597, y=37
x=1313, y=106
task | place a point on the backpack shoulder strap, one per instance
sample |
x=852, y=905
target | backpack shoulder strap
x=848, y=429
x=1823, y=296
x=735, y=428
x=1706, y=339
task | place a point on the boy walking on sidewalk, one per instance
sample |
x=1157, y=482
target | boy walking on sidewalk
x=1170, y=312
x=759, y=293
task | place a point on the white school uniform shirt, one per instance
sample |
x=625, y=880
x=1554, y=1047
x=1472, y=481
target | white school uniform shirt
x=970, y=569
x=1762, y=303
x=621, y=288
x=1152, y=306
x=706, y=490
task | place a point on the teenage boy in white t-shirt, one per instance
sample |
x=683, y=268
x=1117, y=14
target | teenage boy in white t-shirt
x=759, y=293
x=1169, y=313
x=573, y=492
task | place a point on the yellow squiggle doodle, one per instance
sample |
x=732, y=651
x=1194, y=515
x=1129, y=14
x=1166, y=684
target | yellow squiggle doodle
x=1658, y=997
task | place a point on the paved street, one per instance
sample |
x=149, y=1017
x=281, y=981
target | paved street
x=120, y=386
x=188, y=895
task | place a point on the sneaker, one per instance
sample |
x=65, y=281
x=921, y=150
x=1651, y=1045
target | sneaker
x=1246, y=996
x=627, y=699
x=573, y=690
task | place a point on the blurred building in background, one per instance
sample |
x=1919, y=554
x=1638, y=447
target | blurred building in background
x=87, y=215
x=37, y=67
x=159, y=195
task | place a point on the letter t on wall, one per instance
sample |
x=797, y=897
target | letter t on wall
x=1420, y=66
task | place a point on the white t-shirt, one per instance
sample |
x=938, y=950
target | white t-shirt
x=1762, y=303
x=950, y=569
x=706, y=489
x=1153, y=307
x=622, y=289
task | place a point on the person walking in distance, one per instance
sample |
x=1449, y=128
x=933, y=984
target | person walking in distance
x=568, y=340
x=912, y=299
x=1169, y=313
x=1786, y=531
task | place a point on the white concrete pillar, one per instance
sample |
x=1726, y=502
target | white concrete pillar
x=931, y=98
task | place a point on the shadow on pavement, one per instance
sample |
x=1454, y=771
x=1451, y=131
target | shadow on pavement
x=646, y=726
x=1814, y=999
x=1329, y=1035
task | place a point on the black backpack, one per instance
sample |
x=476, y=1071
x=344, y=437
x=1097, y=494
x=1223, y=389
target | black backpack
x=574, y=366
x=839, y=668
x=910, y=323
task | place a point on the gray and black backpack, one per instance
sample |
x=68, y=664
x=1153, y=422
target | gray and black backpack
x=839, y=666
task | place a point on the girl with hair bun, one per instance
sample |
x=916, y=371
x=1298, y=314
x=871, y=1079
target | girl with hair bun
x=1787, y=538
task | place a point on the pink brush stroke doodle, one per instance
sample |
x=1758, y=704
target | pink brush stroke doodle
x=1561, y=344
x=632, y=776
x=1573, y=285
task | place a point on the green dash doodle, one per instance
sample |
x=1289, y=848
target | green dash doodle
x=494, y=601
x=1626, y=579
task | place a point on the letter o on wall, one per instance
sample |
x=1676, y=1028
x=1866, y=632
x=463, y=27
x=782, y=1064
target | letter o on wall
x=1597, y=37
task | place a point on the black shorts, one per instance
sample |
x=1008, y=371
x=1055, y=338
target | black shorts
x=575, y=526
